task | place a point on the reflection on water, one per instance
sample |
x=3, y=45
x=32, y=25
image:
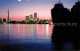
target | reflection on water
x=31, y=37
x=25, y=36
x=26, y=31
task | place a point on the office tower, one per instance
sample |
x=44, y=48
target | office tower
x=27, y=19
x=0, y=20
x=4, y=20
x=31, y=18
x=35, y=15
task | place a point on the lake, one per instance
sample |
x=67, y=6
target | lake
x=29, y=37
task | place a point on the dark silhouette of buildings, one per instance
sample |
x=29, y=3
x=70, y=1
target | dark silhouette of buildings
x=4, y=20
x=69, y=33
x=60, y=14
x=0, y=20
x=75, y=11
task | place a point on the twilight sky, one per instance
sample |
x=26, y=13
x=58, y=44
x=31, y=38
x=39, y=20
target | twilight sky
x=18, y=10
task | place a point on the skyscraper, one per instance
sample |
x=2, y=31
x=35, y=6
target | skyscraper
x=35, y=15
x=31, y=18
x=27, y=19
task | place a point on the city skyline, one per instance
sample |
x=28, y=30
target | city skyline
x=19, y=10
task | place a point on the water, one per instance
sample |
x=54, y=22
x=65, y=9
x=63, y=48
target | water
x=28, y=37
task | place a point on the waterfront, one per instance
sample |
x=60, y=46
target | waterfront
x=29, y=37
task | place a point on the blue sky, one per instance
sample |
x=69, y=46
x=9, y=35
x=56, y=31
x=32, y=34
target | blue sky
x=18, y=10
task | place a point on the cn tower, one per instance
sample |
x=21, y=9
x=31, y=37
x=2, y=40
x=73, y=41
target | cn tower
x=8, y=15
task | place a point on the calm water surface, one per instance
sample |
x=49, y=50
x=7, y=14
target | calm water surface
x=30, y=37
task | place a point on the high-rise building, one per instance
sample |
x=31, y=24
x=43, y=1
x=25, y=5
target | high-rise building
x=0, y=20
x=35, y=15
x=31, y=18
x=27, y=19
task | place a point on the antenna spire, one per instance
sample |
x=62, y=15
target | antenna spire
x=59, y=1
x=8, y=9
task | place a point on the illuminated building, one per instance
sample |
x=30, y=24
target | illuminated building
x=31, y=18
x=35, y=15
x=27, y=19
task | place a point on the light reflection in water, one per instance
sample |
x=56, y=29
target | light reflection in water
x=36, y=36
x=26, y=31
x=20, y=31
x=47, y=30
